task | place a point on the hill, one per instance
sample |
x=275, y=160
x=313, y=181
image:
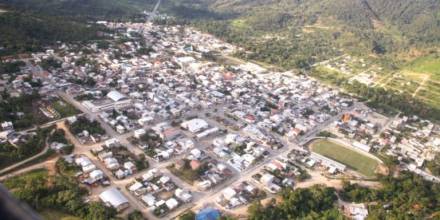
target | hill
x=28, y=32
x=285, y=27
x=82, y=9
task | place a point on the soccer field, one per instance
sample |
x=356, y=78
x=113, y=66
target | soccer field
x=354, y=160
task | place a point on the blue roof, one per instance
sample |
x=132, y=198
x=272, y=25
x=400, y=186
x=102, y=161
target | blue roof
x=208, y=214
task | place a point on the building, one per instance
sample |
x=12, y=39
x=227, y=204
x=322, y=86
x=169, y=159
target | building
x=113, y=197
x=115, y=96
x=361, y=146
x=195, y=125
x=208, y=214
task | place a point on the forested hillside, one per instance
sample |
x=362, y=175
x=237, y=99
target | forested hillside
x=297, y=33
x=82, y=9
x=27, y=32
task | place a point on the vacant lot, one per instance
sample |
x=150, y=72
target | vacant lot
x=351, y=158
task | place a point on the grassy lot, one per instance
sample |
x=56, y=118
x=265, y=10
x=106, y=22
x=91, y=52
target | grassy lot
x=49, y=154
x=64, y=109
x=427, y=64
x=351, y=158
x=56, y=215
x=38, y=176
x=188, y=175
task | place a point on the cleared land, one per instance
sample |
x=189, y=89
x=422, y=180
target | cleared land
x=354, y=160
x=419, y=78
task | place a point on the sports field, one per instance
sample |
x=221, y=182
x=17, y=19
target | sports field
x=354, y=160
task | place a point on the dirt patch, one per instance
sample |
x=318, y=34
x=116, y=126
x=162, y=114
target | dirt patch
x=378, y=25
x=382, y=169
x=50, y=165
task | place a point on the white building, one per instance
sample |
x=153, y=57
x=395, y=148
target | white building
x=195, y=125
x=115, y=96
x=113, y=197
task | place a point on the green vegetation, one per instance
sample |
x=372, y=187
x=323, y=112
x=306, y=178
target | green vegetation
x=187, y=173
x=21, y=111
x=83, y=124
x=299, y=33
x=11, y=154
x=44, y=157
x=135, y=215
x=10, y=67
x=92, y=9
x=427, y=64
x=66, y=169
x=326, y=134
x=396, y=96
x=391, y=101
x=434, y=165
x=59, y=136
x=311, y=203
x=64, y=109
x=49, y=214
x=189, y=215
x=59, y=193
x=351, y=158
x=50, y=63
x=28, y=32
x=405, y=197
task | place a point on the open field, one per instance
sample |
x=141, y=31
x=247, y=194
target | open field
x=64, y=109
x=419, y=78
x=351, y=158
x=426, y=71
x=57, y=215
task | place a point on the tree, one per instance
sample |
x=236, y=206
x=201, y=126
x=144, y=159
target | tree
x=136, y=215
x=97, y=210
x=316, y=202
x=189, y=215
x=378, y=48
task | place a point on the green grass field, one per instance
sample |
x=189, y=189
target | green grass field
x=427, y=64
x=56, y=215
x=64, y=109
x=351, y=158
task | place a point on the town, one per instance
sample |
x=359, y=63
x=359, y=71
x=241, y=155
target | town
x=161, y=120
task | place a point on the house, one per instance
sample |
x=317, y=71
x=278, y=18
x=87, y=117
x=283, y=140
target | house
x=356, y=211
x=183, y=195
x=136, y=186
x=139, y=133
x=130, y=166
x=88, y=168
x=149, y=199
x=172, y=203
x=111, y=143
x=96, y=175
x=229, y=193
x=204, y=185
x=114, y=198
x=7, y=125
x=116, y=96
x=111, y=163
x=120, y=174
x=267, y=179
